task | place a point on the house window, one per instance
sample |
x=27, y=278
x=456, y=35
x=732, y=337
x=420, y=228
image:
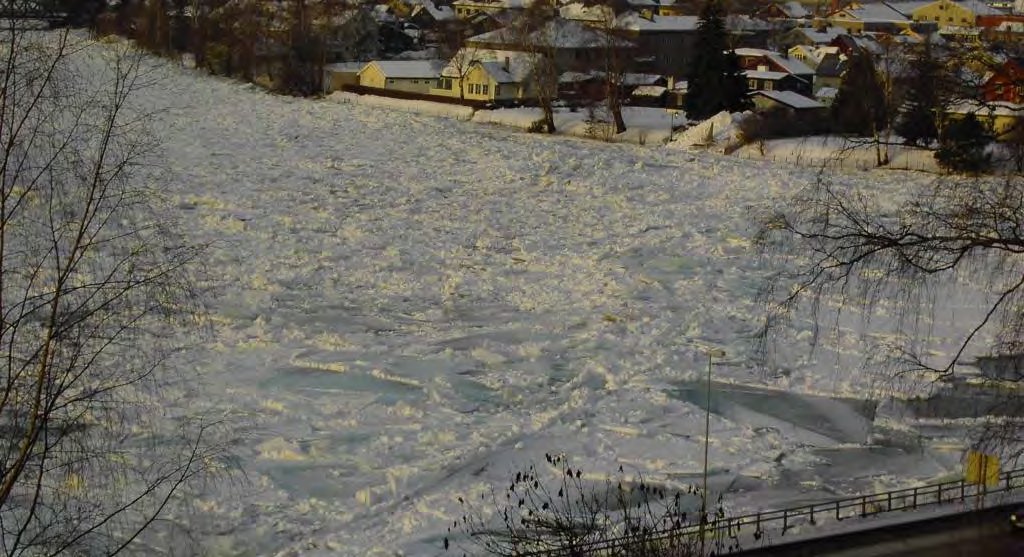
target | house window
x=768, y=86
x=964, y=19
x=751, y=84
x=484, y=89
x=391, y=82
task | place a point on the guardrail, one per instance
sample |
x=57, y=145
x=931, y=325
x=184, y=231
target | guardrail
x=759, y=524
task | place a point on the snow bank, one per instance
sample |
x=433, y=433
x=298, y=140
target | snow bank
x=644, y=126
x=720, y=132
x=431, y=108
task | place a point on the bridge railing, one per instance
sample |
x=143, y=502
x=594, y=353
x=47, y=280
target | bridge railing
x=758, y=525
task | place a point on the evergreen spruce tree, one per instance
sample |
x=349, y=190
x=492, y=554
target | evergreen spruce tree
x=860, y=107
x=715, y=80
x=926, y=94
x=963, y=144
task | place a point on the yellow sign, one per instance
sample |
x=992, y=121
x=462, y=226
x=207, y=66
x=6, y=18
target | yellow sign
x=982, y=468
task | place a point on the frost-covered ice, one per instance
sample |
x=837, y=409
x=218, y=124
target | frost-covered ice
x=405, y=307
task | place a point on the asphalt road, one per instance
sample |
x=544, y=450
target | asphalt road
x=974, y=534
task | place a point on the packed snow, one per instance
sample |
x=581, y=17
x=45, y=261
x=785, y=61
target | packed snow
x=404, y=308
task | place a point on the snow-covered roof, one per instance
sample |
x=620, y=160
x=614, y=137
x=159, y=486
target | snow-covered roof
x=408, y=69
x=650, y=91
x=520, y=64
x=827, y=93
x=794, y=9
x=909, y=7
x=790, y=99
x=820, y=37
x=877, y=13
x=557, y=32
x=498, y=72
x=345, y=66
x=758, y=74
x=790, y=65
x=439, y=13
x=631, y=21
x=980, y=8
x=640, y=78
x=582, y=12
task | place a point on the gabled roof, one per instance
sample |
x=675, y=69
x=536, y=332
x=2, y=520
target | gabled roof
x=794, y=9
x=820, y=37
x=498, y=72
x=345, y=67
x=438, y=13
x=980, y=8
x=790, y=65
x=557, y=32
x=408, y=69
x=770, y=76
x=632, y=21
x=830, y=66
x=520, y=64
x=909, y=7
x=875, y=13
x=789, y=98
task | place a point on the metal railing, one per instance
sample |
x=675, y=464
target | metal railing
x=759, y=524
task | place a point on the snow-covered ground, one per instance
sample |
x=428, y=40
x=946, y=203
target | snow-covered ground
x=406, y=307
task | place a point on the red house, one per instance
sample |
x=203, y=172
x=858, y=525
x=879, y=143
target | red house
x=1006, y=83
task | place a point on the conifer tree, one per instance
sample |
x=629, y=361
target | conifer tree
x=964, y=141
x=715, y=79
x=926, y=95
x=860, y=106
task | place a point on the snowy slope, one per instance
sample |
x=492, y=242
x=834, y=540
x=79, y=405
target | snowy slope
x=404, y=307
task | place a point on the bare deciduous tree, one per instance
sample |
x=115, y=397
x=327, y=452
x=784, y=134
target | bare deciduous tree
x=535, y=32
x=94, y=291
x=848, y=246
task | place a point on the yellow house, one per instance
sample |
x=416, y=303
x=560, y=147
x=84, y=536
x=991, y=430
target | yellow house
x=491, y=81
x=880, y=17
x=411, y=76
x=947, y=13
x=1001, y=118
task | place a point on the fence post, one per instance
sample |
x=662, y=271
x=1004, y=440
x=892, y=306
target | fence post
x=939, y=494
x=785, y=520
x=915, y=498
x=812, y=515
x=863, y=506
x=889, y=503
x=963, y=489
x=838, y=518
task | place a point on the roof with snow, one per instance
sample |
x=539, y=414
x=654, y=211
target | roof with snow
x=557, y=32
x=790, y=65
x=790, y=99
x=345, y=66
x=827, y=93
x=519, y=67
x=794, y=9
x=439, y=13
x=820, y=37
x=498, y=71
x=877, y=13
x=771, y=76
x=408, y=69
x=631, y=21
x=650, y=91
x=980, y=8
x=908, y=8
